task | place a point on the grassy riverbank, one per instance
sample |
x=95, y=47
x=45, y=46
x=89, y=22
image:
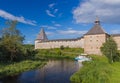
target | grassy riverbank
x=99, y=70
x=36, y=60
x=57, y=53
x=14, y=68
x=115, y=77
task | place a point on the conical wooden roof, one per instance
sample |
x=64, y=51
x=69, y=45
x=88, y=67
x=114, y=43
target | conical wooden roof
x=97, y=29
x=42, y=36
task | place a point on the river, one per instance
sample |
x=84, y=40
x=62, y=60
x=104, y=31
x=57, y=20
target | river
x=55, y=71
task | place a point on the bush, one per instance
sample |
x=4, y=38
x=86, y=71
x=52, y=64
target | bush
x=117, y=58
x=62, y=47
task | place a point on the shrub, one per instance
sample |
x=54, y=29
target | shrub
x=62, y=47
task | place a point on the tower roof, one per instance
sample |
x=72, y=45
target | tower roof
x=42, y=36
x=97, y=29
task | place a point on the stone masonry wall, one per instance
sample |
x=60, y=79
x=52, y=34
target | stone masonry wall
x=117, y=40
x=56, y=44
x=92, y=43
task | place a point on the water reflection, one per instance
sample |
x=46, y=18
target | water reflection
x=56, y=71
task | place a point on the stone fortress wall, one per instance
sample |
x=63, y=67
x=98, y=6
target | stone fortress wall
x=90, y=42
x=117, y=40
x=93, y=43
x=73, y=43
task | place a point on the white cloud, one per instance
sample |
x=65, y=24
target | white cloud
x=49, y=13
x=107, y=10
x=50, y=33
x=29, y=42
x=70, y=28
x=21, y=19
x=52, y=10
x=51, y=5
x=57, y=25
x=53, y=22
x=48, y=27
x=115, y=31
x=60, y=14
x=70, y=32
x=56, y=10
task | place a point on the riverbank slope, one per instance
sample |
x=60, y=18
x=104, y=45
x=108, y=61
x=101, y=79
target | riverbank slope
x=14, y=68
x=99, y=70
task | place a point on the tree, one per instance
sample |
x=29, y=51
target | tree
x=11, y=41
x=109, y=49
x=62, y=47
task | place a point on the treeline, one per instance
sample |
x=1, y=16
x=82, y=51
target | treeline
x=11, y=44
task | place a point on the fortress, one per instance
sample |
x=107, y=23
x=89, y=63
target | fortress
x=90, y=42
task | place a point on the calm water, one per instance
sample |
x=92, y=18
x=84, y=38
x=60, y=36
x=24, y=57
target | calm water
x=55, y=71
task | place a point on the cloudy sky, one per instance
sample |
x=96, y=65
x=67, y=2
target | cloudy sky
x=60, y=18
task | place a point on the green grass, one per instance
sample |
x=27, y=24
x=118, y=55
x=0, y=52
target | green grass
x=12, y=69
x=115, y=78
x=57, y=53
x=99, y=70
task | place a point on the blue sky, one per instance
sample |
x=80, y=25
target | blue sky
x=60, y=18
